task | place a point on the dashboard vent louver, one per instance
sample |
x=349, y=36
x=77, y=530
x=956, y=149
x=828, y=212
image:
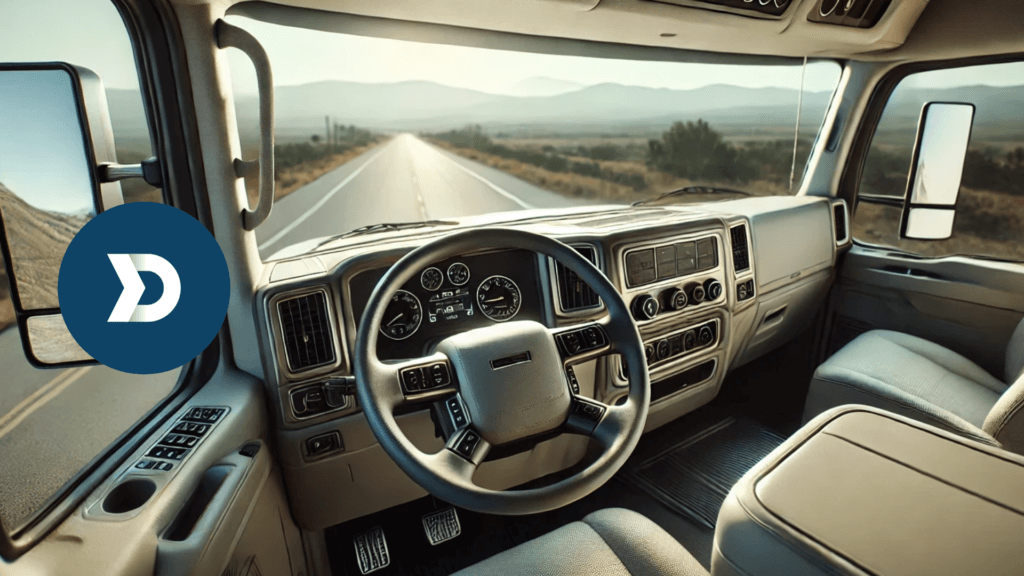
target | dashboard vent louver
x=740, y=252
x=573, y=293
x=306, y=331
x=839, y=212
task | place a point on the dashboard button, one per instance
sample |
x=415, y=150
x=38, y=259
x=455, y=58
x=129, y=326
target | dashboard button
x=439, y=375
x=467, y=444
x=689, y=340
x=573, y=382
x=593, y=337
x=664, y=349
x=412, y=379
x=705, y=336
x=649, y=352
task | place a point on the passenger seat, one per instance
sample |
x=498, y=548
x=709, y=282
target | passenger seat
x=927, y=382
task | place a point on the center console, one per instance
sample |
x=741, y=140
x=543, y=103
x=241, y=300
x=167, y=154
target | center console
x=862, y=491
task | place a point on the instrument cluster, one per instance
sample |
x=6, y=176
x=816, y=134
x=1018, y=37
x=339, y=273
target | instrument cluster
x=453, y=296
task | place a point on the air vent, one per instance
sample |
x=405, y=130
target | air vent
x=306, y=331
x=740, y=252
x=573, y=293
x=839, y=212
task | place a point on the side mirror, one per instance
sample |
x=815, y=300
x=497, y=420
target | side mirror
x=936, y=169
x=55, y=133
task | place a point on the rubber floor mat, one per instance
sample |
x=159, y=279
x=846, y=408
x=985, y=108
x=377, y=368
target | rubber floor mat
x=694, y=476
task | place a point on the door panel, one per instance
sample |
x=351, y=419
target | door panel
x=970, y=306
x=218, y=512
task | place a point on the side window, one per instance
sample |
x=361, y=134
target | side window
x=55, y=423
x=990, y=210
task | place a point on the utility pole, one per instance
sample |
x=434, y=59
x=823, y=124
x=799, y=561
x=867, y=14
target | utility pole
x=327, y=123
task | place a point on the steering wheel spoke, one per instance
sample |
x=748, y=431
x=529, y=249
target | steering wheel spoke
x=600, y=421
x=415, y=381
x=463, y=454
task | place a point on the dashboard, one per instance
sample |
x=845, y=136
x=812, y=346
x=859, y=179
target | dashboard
x=452, y=296
x=710, y=287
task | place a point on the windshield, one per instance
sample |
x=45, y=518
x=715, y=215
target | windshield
x=376, y=131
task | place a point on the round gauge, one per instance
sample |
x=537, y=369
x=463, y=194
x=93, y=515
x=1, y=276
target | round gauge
x=431, y=279
x=499, y=298
x=458, y=273
x=402, y=317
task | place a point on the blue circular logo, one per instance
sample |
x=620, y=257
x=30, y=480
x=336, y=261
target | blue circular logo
x=143, y=288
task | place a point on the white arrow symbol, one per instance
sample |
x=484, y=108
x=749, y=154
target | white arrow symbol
x=127, y=308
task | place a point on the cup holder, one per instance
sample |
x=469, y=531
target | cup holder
x=128, y=496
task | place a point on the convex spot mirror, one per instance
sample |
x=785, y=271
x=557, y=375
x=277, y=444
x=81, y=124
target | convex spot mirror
x=936, y=168
x=54, y=133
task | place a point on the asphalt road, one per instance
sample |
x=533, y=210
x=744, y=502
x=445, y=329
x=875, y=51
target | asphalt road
x=53, y=422
x=404, y=180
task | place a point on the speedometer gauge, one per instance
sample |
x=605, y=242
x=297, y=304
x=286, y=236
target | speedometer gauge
x=402, y=317
x=499, y=298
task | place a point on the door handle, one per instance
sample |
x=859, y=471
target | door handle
x=915, y=272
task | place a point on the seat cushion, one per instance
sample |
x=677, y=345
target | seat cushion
x=611, y=542
x=909, y=376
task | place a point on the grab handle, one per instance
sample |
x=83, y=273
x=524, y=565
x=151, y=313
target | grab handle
x=229, y=36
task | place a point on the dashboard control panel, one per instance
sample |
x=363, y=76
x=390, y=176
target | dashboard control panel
x=682, y=342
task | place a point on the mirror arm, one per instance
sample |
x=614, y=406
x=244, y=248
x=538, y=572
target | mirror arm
x=148, y=170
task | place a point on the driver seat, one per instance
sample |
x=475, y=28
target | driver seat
x=610, y=542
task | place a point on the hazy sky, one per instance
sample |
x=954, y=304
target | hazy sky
x=361, y=59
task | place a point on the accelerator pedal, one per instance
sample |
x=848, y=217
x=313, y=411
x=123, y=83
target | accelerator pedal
x=442, y=525
x=371, y=550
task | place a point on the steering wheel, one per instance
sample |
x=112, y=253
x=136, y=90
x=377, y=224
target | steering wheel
x=502, y=383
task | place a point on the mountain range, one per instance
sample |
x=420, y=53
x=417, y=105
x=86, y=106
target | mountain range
x=429, y=106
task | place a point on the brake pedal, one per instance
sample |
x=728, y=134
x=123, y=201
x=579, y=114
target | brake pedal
x=371, y=550
x=442, y=526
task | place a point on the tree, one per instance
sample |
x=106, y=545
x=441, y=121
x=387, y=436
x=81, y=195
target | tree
x=693, y=150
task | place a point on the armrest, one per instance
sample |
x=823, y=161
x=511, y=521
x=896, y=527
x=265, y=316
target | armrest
x=862, y=491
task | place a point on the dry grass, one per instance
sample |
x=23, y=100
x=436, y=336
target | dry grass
x=290, y=179
x=578, y=186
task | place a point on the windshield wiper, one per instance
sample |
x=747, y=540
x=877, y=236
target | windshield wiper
x=388, y=226
x=690, y=191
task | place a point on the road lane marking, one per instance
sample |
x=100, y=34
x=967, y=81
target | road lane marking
x=284, y=231
x=39, y=398
x=490, y=184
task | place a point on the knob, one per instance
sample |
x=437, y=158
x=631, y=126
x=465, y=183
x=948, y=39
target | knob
x=741, y=292
x=697, y=294
x=705, y=336
x=664, y=349
x=645, y=307
x=712, y=289
x=677, y=299
x=648, y=352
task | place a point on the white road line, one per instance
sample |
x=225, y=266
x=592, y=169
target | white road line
x=39, y=399
x=490, y=184
x=284, y=231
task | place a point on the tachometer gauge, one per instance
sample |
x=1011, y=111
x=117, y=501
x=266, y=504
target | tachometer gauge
x=431, y=279
x=499, y=298
x=458, y=273
x=402, y=317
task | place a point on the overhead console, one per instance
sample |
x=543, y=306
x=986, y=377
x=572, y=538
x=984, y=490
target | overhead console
x=850, y=13
x=769, y=8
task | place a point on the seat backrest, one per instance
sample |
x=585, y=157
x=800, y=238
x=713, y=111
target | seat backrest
x=1015, y=355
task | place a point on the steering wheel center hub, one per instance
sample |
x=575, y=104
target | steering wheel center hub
x=510, y=377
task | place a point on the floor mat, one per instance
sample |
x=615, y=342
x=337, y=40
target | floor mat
x=693, y=477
